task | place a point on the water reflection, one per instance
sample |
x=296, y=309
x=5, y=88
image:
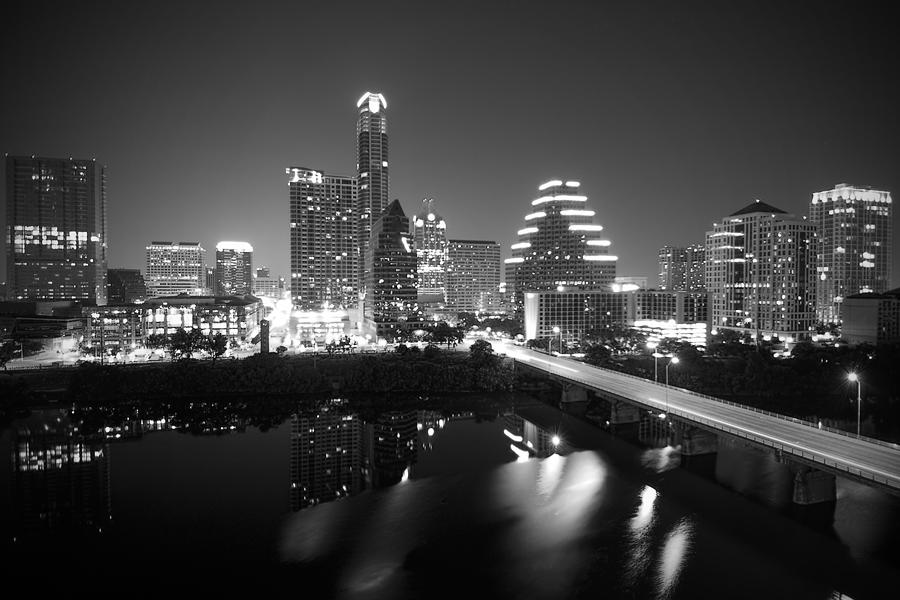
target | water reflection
x=640, y=541
x=673, y=556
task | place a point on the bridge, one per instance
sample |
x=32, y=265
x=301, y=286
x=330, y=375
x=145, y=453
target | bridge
x=814, y=449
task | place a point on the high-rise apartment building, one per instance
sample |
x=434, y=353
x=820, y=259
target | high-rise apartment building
x=560, y=246
x=853, y=250
x=56, y=234
x=430, y=241
x=371, y=165
x=760, y=272
x=473, y=276
x=234, y=269
x=175, y=268
x=264, y=284
x=324, y=243
x=391, y=305
x=682, y=269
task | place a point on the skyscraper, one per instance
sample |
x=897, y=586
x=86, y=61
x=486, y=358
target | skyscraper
x=371, y=164
x=560, y=247
x=760, y=272
x=473, y=276
x=391, y=305
x=853, y=251
x=234, y=269
x=175, y=268
x=324, y=243
x=126, y=286
x=430, y=241
x=56, y=235
x=682, y=269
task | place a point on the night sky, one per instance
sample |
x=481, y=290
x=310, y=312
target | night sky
x=671, y=114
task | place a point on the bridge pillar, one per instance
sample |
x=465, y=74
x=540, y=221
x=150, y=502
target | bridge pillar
x=622, y=412
x=572, y=393
x=812, y=486
x=695, y=441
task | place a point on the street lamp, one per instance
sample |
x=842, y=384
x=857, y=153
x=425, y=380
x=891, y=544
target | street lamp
x=558, y=332
x=855, y=377
x=674, y=360
x=652, y=346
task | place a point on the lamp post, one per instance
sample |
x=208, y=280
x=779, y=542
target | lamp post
x=558, y=332
x=652, y=346
x=855, y=377
x=674, y=360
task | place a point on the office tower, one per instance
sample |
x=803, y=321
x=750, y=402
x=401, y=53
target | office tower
x=371, y=165
x=682, y=269
x=671, y=268
x=266, y=285
x=853, y=251
x=324, y=260
x=209, y=281
x=391, y=306
x=760, y=272
x=175, y=268
x=695, y=268
x=126, y=286
x=430, y=241
x=473, y=278
x=56, y=235
x=234, y=269
x=559, y=247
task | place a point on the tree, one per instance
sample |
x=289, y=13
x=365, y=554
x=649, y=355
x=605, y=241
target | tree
x=597, y=355
x=281, y=350
x=432, y=352
x=216, y=345
x=481, y=351
x=183, y=344
x=7, y=352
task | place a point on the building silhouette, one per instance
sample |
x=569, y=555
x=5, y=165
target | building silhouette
x=324, y=246
x=430, y=241
x=391, y=304
x=175, y=268
x=56, y=229
x=853, y=249
x=473, y=276
x=125, y=286
x=760, y=272
x=234, y=269
x=560, y=246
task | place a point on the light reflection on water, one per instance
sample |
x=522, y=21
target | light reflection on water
x=674, y=553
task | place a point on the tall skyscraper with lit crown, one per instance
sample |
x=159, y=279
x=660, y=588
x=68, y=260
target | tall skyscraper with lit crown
x=371, y=165
x=56, y=235
x=853, y=250
x=560, y=246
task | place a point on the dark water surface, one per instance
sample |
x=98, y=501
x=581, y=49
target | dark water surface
x=422, y=504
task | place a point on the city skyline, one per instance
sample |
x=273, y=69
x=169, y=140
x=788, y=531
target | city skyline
x=677, y=111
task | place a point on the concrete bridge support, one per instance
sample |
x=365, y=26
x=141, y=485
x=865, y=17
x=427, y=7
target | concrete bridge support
x=695, y=441
x=572, y=392
x=812, y=486
x=622, y=412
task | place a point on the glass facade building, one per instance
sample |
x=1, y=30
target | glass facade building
x=560, y=246
x=371, y=165
x=853, y=250
x=56, y=234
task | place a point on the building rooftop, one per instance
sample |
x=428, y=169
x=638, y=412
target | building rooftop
x=758, y=207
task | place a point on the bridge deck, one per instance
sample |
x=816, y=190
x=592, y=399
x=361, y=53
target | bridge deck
x=871, y=461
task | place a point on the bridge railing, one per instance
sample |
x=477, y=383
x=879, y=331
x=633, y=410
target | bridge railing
x=783, y=448
x=750, y=408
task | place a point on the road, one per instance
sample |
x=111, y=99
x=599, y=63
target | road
x=862, y=459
